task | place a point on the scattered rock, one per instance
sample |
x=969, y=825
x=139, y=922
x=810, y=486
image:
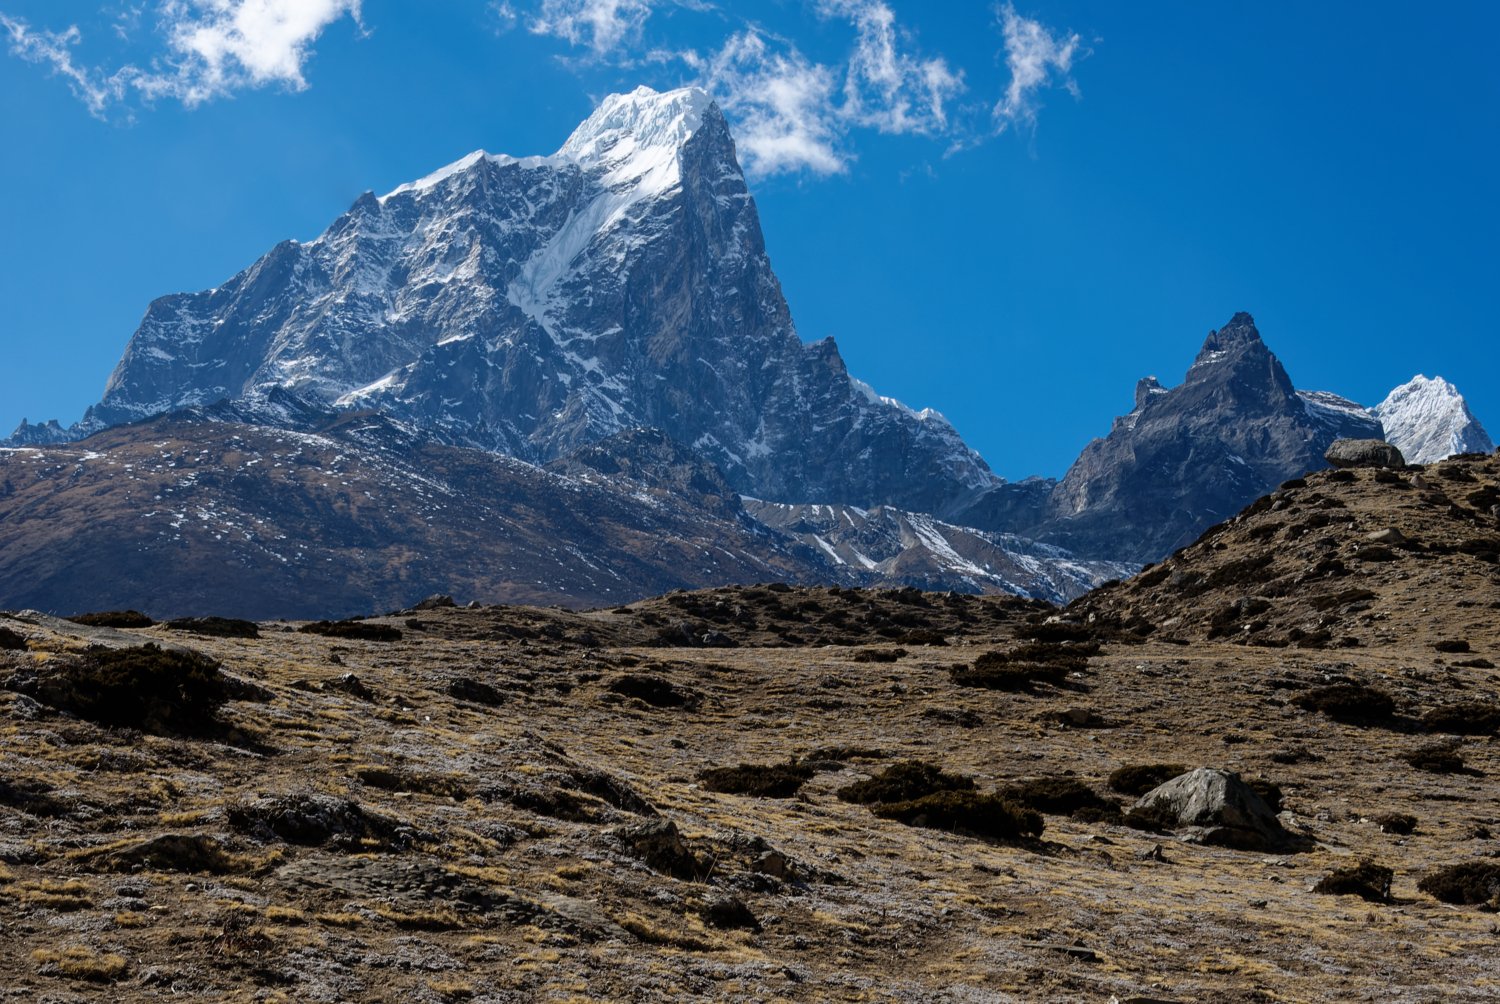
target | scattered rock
x=1363, y=453
x=660, y=845
x=436, y=602
x=350, y=684
x=1221, y=809
x=466, y=688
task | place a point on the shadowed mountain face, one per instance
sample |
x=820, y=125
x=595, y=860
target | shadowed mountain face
x=1189, y=457
x=220, y=510
x=531, y=307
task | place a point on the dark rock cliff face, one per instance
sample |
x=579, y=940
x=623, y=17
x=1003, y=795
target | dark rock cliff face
x=531, y=307
x=1187, y=458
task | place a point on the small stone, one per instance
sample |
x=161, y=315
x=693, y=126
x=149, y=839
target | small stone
x=729, y=913
x=774, y=864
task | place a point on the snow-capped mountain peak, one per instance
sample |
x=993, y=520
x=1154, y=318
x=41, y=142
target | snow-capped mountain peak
x=531, y=307
x=638, y=136
x=1429, y=420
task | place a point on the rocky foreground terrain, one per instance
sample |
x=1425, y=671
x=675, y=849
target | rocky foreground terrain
x=521, y=804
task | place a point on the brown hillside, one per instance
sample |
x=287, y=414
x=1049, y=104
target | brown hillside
x=1341, y=559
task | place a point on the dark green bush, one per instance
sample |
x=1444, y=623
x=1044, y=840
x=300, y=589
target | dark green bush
x=114, y=619
x=879, y=655
x=923, y=636
x=1057, y=631
x=1152, y=819
x=1008, y=676
x=1366, y=880
x=354, y=630
x=1269, y=791
x=469, y=689
x=1025, y=666
x=1473, y=883
x=1399, y=823
x=152, y=689
x=1452, y=645
x=653, y=690
x=1137, y=779
x=970, y=812
x=770, y=781
x=216, y=627
x=904, y=782
x=10, y=641
x=1352, y=703
x=1471, y=718
x=1057, y=796
x=1437, y=759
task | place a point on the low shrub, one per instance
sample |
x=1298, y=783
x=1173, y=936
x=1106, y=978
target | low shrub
x=1471, y=718
x=1269, y=791
x=10, y=641
x=843, y=754
x=879, y=655
x=1473, y=883
x=114, y=619
x=354, y=630
x=1437, y=759
x=1137, y=779
x=469, y=689
x=164, y=691
x=1452, y=645
x=904, y=782
x=923, y=636
x=215, y=627
x=1025, y=666
x=1057, y=796
x=989, y=816
x=1152, y=819
x=316, y=821
x=1351, y=703
x=772, y=781
x=654, y=690
x=440, y=785
x=1055, y=631
x=1366, y=880
x=1399, y=823
x=1008, y=676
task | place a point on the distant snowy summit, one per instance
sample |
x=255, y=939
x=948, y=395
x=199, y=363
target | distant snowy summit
x=1429, y=420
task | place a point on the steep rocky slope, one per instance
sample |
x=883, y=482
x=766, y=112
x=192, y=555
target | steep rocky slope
x=533, y=306
x=1341, y=559
x=1187, y=457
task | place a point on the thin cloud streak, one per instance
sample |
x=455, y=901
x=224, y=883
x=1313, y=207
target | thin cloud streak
x=214, y=48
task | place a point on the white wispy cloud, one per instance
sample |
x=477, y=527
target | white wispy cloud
x=55, y=49
x=1034, y=56
x=782, y=104
x=795, y=114
x=602, y=25
x=213, y=49
x=885, y=87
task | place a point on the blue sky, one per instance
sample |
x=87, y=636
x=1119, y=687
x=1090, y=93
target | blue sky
x=1008, y=214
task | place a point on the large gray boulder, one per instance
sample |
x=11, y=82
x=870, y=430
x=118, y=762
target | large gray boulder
x=1220, y=809
x=1364, y=453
